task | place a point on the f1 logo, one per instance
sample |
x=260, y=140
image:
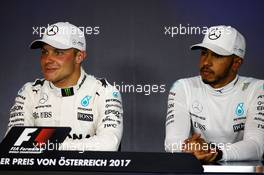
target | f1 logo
x=42, y=136
x=25, y=136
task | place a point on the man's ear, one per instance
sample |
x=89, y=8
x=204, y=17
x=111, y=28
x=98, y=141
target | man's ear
x=237, y=63
x=80, y=56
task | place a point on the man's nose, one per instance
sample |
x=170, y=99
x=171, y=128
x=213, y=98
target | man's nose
x=49, y=58
x=207, y=60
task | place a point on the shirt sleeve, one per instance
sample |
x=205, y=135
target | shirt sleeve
x=178, y=121
x=252, y=145
x=21, y=111
x=109, y=127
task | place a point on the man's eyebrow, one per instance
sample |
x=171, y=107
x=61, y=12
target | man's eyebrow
x=56, y=49
x=217, y=55
x=43, y=49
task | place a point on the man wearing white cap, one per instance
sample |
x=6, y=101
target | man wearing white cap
x=67, y=96
x=218, y=115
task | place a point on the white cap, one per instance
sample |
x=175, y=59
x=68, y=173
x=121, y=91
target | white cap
x=62, y=35
x=223, y=40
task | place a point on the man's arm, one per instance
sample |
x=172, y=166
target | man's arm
x=21, y=111
x=109, y=127
x=202, y=150
x=178, y=122
x=252, y=145
x=178, y=125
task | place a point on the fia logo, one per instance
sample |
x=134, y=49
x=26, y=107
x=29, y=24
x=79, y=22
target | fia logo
x=85, y=101
x=240, y=109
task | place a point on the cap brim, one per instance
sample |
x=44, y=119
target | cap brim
x=39, y=43
x=212, y=47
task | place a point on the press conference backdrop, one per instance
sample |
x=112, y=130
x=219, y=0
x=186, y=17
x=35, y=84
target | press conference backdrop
x=140, y=46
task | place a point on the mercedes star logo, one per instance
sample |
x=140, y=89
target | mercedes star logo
x=197, y=107
x=52, y=30
x=214, y=34
x=44, y=98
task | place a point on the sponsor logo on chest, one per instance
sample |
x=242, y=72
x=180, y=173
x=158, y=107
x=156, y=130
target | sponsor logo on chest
x=85, y=109
x=84, y=117
x=239, y=112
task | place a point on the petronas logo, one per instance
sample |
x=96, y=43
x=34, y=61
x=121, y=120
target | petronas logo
x=85, y=101
x=240, y=109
